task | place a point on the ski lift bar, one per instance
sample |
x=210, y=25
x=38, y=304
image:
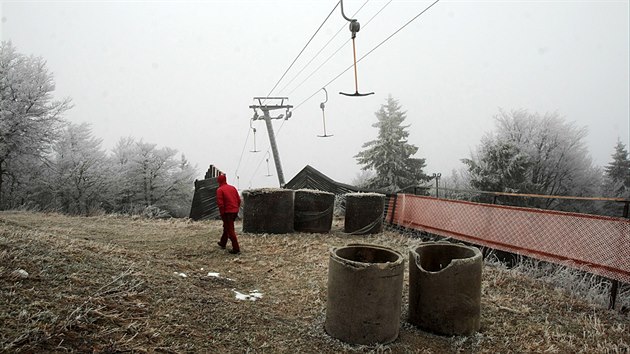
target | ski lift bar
x=254, y=130
x=322, y=106
x=354, y=28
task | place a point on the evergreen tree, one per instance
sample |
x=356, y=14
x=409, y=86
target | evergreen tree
x=390, y=155
x=618, y=173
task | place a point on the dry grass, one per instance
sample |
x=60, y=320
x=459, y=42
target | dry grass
x=111, y=284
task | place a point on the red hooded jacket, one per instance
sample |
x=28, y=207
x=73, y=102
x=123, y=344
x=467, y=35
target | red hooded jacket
x=228, y=199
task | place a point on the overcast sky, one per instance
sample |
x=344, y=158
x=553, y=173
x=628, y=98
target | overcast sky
x=182, y=74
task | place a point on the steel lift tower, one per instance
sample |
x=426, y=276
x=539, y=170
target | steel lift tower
x=266, y=108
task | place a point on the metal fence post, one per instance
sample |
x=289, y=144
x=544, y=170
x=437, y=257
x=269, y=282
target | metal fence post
x=614, y=287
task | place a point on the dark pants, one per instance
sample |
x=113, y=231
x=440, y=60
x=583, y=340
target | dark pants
x=228, y=230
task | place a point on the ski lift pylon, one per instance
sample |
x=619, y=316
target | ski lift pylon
x=323, y=106
x=354, y=28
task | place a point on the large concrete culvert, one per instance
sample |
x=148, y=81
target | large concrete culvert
x=364, y=213
x=445, y=288
x=364, y=294
x=313, y=211
x=268, y=210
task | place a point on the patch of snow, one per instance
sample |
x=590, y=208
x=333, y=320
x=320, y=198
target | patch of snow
x=216, y=275
x=183, y=275
x=252, y=296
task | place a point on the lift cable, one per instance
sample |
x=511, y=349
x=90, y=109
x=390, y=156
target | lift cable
x=338, y=49
x=302, y=51
x=324, y=47
x=368, y=53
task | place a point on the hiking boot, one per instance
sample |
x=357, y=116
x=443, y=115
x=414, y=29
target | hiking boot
x=235, y=251
x=220, y=245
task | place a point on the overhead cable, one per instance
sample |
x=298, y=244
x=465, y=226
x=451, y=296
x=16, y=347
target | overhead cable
x=302, y=51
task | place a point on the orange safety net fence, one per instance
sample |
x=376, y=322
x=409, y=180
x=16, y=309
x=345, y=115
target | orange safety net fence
x=596, y=244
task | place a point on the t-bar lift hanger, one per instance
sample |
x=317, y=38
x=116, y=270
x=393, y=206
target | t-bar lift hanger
x=354, y=28
x=253, y=129
x=322, y=106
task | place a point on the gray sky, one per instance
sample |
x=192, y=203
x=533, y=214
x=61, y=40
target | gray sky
x=183, y=74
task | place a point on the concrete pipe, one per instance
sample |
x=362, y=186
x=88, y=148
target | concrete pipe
x=268, y=210
x=364, y=213
x=445, y=288
x=313, y=210
x=364, y=294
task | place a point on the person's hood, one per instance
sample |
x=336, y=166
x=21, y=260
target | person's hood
x=222, y=180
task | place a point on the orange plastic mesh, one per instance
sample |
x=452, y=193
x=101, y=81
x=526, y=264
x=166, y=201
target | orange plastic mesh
x=597, y=244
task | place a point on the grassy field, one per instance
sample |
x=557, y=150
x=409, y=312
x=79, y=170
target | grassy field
x=119, y=284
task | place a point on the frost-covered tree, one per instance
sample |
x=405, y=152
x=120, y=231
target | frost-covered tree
x=456, y=185
x=499, y=166
x=151, y=176
x=29, y=117
x=390, y=154
x=530, y=153
x=618, y=172
x=617, y=179
x=80, y=169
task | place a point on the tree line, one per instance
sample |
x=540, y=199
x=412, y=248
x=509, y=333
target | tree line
x=527, y=153
x=48, y=163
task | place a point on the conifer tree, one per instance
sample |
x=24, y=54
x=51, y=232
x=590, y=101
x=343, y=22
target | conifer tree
x=390, y=154
x=618, y=172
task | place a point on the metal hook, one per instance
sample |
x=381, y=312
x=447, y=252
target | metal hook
x=343, y=14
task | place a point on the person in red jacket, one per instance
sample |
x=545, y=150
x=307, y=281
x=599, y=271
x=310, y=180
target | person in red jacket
x=228, y=202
